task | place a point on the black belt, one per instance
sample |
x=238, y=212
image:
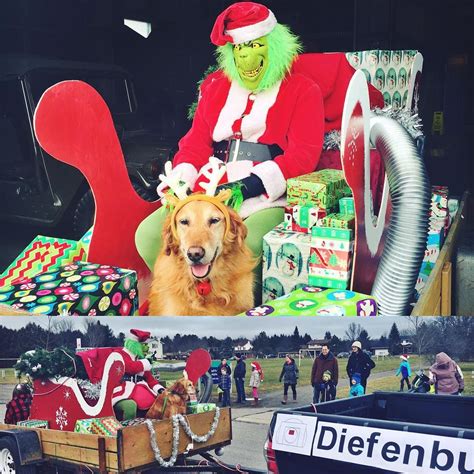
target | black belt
x=225, y=150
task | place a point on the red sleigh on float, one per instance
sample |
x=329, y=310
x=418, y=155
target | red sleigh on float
x=61, y=402
x=73, y=124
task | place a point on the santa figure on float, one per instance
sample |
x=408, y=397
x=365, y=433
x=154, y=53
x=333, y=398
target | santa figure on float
x=138, y=388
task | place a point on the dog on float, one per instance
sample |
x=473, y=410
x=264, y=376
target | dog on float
x=173, y=400
x=204, y=267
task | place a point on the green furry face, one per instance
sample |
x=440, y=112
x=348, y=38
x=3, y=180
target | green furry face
x=280, y=47
x=139, y=349
x=251, y=59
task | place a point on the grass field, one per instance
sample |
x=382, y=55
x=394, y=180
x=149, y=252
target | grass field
x=272, y=369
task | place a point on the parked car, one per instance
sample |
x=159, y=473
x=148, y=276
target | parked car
x=36, y=188
x=343, y=355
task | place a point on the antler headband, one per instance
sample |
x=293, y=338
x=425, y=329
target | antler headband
x=213, y=173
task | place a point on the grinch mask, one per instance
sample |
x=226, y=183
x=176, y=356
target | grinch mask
x=251, y=59
x=139, y=349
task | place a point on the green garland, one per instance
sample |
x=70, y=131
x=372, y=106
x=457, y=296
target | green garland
x=43, y=364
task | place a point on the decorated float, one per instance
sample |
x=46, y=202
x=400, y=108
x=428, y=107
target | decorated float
x=76, y=420
x=371, y=238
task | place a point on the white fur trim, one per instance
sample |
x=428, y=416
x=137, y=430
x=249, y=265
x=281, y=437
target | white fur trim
x=233, y=109
x=122, y=392
x=186, y=171
x=239, y=169
x=272, y=178
x=146, y=364
x=157, y=387
x=251, y=32
x=255, y=123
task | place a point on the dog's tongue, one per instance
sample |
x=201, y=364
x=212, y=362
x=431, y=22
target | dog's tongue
x=200, y=271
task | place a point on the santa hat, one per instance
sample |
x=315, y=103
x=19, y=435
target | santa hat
x=258, y=368
x=242, y=22
x=404, y=357
x=138, y=335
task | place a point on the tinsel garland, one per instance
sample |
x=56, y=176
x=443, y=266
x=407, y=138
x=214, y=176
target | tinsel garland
x=411, y=122
x=90, y=390
x=176, y=421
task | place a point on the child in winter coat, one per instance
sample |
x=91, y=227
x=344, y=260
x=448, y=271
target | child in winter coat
x=329, y=388
x=18, y=408
x=356, y=388
x=256, y=378
x=405, y=371
x=224, y=372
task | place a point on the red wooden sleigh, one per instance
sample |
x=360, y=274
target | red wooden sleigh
x=61, y=402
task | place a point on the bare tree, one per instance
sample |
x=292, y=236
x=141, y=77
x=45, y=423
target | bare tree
x=421, y=334
x=62, y=324
x=353, y=332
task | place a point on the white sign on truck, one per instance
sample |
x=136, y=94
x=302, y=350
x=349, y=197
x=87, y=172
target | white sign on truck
x=398, y=451
x=294, y=433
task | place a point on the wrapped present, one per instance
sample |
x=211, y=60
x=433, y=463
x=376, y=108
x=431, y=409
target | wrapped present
x=107, y=426
x=314, y=301
x=326, y=282
x=34, y=423
x=339, y=221
x=321, y=188
x=285, y=260
x=435, y=234
x=83, y=426
x=329, y=258
x=439, y=202
x=85, y=241
x=201, y=407
x=78, y=288
x=332, y=233
x=302, y=218
x=42, y=254
x=346, y=206
x=431, y=254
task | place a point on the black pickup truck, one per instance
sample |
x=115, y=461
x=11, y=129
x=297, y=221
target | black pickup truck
x=36, y=188
x=378, y=433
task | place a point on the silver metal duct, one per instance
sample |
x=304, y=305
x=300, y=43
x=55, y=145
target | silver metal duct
x=410, y=194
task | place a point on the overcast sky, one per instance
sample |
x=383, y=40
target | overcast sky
x=234, y=327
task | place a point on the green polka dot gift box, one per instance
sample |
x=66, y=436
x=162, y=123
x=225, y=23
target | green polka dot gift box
x=77, y=289
x=314, y=301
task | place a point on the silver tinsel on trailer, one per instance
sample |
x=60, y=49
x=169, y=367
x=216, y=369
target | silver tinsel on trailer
x=177, y=420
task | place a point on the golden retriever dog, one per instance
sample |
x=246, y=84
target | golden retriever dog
x=172, y=401
x=204, y=267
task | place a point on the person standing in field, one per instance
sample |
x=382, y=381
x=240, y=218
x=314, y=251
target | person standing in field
x=405, y=371
x=289, y=374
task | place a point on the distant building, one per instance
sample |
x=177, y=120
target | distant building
x=156, y=348
x=244, y=349
x=380, y=352
x=407, y=347
x=313, y=348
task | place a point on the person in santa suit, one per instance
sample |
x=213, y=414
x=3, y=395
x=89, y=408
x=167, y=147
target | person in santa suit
x=267, y=125
x=139, y=387
x=262, y=114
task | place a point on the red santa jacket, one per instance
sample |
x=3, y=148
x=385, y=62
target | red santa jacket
x=293, y=114
x=143, y=392
x=290, y=114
